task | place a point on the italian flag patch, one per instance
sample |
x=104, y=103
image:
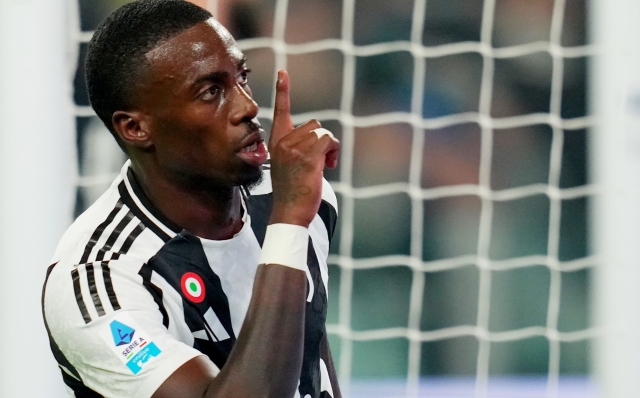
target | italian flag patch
x=193, y=287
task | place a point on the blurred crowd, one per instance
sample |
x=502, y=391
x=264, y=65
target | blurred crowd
x=451, y=156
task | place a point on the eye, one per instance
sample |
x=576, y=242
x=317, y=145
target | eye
x=243, y=77
x=210, y=93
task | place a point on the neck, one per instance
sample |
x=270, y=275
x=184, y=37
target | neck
x=213, y=213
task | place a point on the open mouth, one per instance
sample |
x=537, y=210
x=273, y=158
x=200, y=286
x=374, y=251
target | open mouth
x=255, y=151
x=252, y=147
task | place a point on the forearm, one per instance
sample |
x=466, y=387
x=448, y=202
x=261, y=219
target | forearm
x=267, y=357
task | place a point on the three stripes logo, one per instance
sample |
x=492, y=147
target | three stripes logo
x=102, y=248
x=193, y=287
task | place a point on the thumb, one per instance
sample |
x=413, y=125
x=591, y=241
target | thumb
x=282, y=123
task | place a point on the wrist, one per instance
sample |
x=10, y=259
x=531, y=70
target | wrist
x=285, y=244
x=290, y=216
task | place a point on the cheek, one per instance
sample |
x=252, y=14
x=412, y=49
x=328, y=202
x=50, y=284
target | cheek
x=177, y=143
x=186, y=130
x=198, y=140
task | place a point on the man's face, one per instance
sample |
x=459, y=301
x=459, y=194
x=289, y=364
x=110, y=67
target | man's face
x=199, y=111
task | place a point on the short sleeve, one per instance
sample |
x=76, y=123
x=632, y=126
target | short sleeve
x=121, y=352
x=329, y=195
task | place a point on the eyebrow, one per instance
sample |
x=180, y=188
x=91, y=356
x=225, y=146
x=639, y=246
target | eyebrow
x=242, y=62
x=219, y=76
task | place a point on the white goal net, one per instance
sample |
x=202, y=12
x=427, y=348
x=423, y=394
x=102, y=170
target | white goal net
x=462, y=248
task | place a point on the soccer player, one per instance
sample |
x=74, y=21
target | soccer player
x=202, y=271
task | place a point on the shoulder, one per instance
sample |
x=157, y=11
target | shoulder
x=105, y=246
x=99, y=279
x=113, y=226
x=91, y=312
x=97, y=282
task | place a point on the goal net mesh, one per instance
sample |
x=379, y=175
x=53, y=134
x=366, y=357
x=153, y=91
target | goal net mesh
x=461, y=248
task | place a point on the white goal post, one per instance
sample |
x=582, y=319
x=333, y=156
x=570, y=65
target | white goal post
x=37, y=182
x=615, y=160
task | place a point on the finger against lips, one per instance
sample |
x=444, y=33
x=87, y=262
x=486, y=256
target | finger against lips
x=282, y=123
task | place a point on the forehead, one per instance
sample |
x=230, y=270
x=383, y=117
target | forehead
x=201, y=49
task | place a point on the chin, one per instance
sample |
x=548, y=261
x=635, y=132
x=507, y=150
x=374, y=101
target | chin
x=252, y=181
x=249, y=177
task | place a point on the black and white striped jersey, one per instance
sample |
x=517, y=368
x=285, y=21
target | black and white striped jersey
x=130, y=297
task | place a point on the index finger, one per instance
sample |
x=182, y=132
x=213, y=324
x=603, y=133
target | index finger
x=282, y=123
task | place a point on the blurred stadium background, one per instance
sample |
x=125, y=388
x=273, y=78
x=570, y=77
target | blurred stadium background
x=477, y=219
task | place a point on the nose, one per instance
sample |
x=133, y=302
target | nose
x=244, y=108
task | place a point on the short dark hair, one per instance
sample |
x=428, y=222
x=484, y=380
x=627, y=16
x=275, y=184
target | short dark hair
x=116, y=54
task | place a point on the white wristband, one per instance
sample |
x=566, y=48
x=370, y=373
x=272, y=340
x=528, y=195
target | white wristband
x=285, y=244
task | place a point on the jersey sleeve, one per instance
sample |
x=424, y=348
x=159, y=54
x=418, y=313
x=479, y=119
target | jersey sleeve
x=328, y=210
x=121, y=349
x=329, y=195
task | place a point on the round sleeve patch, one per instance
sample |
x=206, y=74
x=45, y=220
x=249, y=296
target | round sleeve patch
x=193, y=287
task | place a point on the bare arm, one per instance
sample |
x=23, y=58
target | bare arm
x=267, y=357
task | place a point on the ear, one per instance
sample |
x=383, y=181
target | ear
x=130, y=127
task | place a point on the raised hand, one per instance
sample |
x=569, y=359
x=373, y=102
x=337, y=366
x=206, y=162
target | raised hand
x=298, y=158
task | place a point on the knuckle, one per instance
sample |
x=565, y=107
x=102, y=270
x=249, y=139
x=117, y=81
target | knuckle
x=285, y=145
x=309, y=161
